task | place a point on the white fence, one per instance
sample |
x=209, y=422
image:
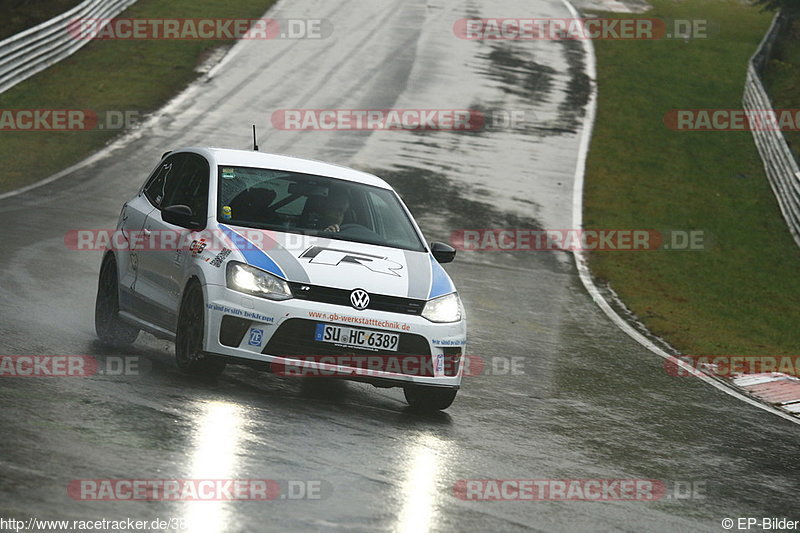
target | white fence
x=779, y=162
x=33, y=50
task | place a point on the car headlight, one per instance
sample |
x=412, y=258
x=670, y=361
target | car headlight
x=443, y=309
x=251, y=280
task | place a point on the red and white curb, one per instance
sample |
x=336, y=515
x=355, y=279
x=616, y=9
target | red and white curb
x=778, y=389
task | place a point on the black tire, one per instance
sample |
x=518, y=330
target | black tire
x=110, y=329
x=189, y=353
x=429, y=398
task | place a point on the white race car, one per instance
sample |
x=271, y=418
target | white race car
x=308, y=268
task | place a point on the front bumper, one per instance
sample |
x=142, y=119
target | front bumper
x=281, y=333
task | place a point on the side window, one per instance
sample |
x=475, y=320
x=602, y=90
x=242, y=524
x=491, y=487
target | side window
x=156, y=188
x=189, y=186
x=163, y=180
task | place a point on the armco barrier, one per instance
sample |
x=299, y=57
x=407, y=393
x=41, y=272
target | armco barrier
x=33, y=50
x=779, y=163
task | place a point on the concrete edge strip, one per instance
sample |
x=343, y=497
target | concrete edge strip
x=580, y=256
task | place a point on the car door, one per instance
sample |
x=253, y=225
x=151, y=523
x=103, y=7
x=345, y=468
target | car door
x=162, y=271
x=131, y=223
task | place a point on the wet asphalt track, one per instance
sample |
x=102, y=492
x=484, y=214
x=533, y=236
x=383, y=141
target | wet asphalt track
x=590, y=403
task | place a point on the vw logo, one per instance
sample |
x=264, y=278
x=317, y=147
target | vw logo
x=359, y=299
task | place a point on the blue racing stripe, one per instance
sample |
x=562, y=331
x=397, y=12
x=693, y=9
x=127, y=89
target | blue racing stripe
x=440, y=281
x=252, y=253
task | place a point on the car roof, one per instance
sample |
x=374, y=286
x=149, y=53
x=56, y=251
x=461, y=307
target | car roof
x=251, y=158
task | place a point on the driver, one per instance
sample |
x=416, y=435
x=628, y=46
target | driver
x=331, y=213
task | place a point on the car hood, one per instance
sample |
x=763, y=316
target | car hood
x=341, y=264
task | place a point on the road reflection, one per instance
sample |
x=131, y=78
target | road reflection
x=219, y=431
x=419, y=492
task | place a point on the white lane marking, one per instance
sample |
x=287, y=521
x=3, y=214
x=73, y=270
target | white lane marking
x=580, y=259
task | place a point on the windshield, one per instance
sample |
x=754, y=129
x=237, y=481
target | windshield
x=313, y=205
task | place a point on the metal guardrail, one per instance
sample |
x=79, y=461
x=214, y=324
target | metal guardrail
x=779, y=162
x=33, y=50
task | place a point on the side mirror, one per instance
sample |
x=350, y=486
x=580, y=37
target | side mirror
x=179, y=215
x=444, y=253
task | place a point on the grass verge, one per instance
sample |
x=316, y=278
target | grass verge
x=20, y=15
x=108, y=75
x=740, y=296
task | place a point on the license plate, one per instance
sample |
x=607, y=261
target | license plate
x=360, y=338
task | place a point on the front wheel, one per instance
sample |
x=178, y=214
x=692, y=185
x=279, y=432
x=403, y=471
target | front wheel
x=429, y=398
x=110, y=328
x=189, y=353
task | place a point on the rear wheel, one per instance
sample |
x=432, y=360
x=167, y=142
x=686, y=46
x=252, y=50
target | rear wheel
x=429, y=398
x=189, y=353
x=110, y=328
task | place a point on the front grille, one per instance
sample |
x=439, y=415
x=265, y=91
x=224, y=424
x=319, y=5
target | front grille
x=295, y=338
x=377, y=302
